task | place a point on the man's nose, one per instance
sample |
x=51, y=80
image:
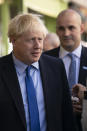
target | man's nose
x=37, y=43
x=66, y=32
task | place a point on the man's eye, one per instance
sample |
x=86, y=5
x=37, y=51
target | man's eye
x=61, y=28
x=71, y=27
x=33, y=39
x=40, y=39
x=29, y=40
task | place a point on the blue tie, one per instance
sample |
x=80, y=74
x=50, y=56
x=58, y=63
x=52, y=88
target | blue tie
x=72, y=71
x=32, y=102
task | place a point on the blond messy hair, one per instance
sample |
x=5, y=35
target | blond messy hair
x=25, y=22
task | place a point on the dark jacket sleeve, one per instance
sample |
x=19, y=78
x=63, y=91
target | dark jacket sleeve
x=68, y=116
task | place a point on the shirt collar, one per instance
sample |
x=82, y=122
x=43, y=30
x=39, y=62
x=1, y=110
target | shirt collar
x=21, y=67
x=76, y=52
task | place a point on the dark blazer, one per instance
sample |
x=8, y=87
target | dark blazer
x=58, y=106
x=82, y=73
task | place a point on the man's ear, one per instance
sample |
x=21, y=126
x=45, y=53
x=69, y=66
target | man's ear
x=82, y=28
x=12, y=40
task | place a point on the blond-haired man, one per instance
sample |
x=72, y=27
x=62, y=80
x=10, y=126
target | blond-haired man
x=35, y=100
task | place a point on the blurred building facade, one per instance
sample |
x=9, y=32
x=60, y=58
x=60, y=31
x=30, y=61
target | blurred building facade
x=48, y=9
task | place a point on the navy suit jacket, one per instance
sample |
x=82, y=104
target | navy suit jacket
x=58, y=107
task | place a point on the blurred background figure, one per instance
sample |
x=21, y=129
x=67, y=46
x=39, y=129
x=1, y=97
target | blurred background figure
x=51, y=41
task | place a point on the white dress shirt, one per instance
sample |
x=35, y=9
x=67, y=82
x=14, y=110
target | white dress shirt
x=63, y=54
x=35, y=74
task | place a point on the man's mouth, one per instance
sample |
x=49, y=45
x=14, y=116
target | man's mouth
x=67, y=38
x=36, y=54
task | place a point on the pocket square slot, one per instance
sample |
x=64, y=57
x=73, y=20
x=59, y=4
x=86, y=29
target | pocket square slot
x=85, y=67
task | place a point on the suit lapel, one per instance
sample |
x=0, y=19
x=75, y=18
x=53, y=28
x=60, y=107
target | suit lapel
x=44, y=77
x=44, y=69
x=83, y=63
x=43, y=73
x=11, y=80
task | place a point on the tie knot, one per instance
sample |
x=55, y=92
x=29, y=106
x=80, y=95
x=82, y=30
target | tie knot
x=72, y=56
x=28, y=70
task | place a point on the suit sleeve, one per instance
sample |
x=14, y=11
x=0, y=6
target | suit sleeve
x=68, y=117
